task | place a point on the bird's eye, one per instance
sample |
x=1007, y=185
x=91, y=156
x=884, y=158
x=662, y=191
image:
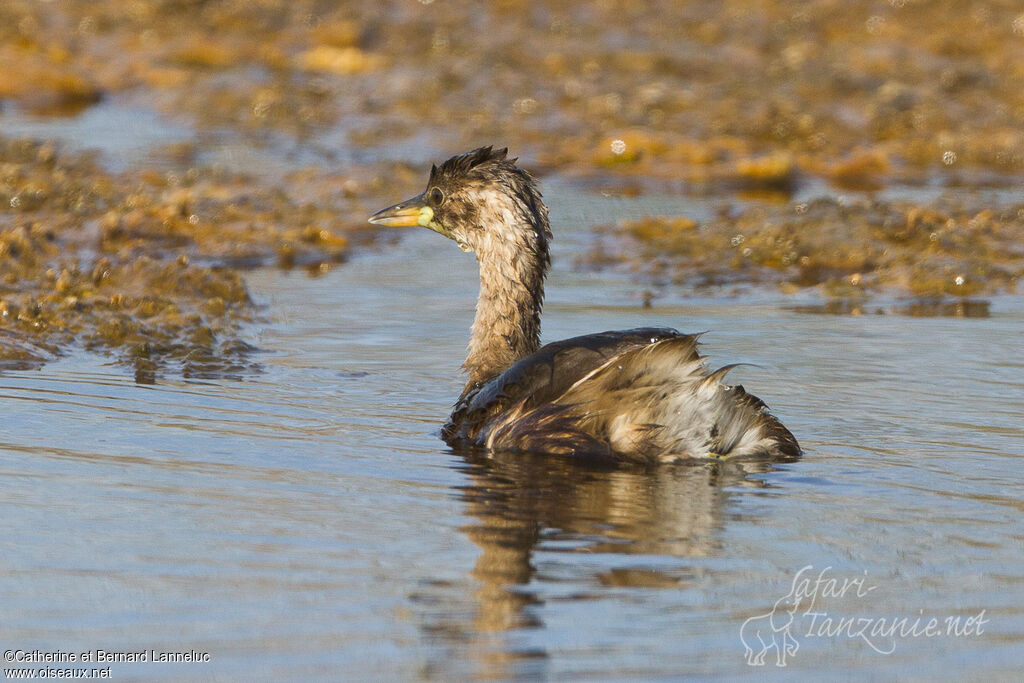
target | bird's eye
x=436, y=196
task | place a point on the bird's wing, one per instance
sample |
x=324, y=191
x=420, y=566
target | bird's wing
x=543, y=376
x=645, y=395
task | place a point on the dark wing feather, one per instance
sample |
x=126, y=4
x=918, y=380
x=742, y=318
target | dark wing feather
x=543, y=376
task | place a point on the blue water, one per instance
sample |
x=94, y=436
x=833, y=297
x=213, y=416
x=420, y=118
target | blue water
x=305, y=521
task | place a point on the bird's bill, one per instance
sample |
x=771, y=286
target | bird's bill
x=410, y=213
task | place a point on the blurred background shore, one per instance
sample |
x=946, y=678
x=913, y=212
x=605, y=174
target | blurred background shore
x=150, y=149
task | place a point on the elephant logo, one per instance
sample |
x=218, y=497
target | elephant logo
x=773, y=630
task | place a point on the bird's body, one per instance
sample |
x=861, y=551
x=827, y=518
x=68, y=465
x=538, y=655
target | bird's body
x=638, y=395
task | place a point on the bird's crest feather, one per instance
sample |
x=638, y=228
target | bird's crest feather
x=463, y=164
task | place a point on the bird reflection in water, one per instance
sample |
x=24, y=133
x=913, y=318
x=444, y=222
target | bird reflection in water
x=525, y=504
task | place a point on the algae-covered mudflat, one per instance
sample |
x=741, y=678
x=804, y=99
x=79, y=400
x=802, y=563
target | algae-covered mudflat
x=856, y=148
x=221, y=388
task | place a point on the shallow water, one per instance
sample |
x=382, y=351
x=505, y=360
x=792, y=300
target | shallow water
x=307, y=521
x=127, y=133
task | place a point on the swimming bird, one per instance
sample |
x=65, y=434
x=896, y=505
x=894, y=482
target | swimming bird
x=643, y=395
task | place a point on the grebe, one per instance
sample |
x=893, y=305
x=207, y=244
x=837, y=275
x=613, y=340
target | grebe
x=642, y=395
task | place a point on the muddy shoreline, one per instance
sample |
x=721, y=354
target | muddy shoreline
x=149, y=266
x=749, y=103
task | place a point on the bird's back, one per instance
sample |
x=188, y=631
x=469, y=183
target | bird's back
x=644, y=395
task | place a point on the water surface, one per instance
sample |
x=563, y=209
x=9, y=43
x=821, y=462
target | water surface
x=306, y=521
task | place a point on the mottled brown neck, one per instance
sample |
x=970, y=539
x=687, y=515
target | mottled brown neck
x=507, y=323
x=513, y=260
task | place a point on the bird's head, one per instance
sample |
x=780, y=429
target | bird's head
x=477, y=199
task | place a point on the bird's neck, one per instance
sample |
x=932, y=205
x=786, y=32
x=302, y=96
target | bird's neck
x=513, y=264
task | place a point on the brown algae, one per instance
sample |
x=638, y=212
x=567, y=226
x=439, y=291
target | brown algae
x=843, y=248
x=712, y=98
x=860, y=92
x=144, y=265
